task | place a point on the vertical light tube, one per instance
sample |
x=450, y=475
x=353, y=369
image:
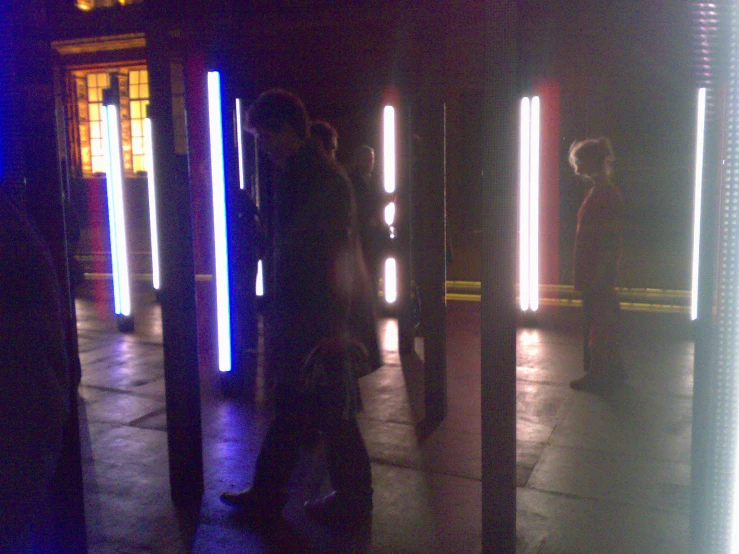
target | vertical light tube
x=390, y=214
x=218, y=181
x=698, y=190
x=257, y=192
x=258, y=202
x=260, y=279
x=388, y=151
x=714, y=520
x=116, y=218
x=534, y=205
x=391, y=281
x=110, y=191
x=524, y=167
x=528, y=171
x=154, y=228
x=240, y=144
x=389, y=169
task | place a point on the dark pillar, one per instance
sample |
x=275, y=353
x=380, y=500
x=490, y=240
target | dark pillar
x=714, y=367
x=179, y=321
x=243, y=231
x=427, y=186
x=429, y=249
x=704, y=360
x=30, y=151
x=407, y=303
x=498, y=303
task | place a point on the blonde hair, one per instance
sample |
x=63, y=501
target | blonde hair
x=597, y=150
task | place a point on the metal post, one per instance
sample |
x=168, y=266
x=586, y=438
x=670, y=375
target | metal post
x=429, y=247
x=179, y=319
x=498, y=308
x=29, y=136
x=714, y=436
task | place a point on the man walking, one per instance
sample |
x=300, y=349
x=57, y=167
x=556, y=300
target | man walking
x=314, y=273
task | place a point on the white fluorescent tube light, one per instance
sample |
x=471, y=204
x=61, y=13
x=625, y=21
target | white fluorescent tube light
x=154, y=229
x=528, y=167
x=218, y=182
x=388, y=152
x=240, y=144
x=391, y=281
x=698, y=189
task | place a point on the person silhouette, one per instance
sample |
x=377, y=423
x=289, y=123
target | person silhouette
x=597, y=254
x=313, y=276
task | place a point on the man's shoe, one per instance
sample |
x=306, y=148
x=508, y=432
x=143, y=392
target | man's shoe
x=340, y=509
x=260, y=506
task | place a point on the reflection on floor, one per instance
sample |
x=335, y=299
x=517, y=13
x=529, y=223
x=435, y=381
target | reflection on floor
x=596, y=474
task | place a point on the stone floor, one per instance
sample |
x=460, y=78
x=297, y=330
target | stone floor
x=596, y=474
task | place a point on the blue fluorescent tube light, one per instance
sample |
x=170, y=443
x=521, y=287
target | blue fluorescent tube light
x=218, y=181
x=116, y=218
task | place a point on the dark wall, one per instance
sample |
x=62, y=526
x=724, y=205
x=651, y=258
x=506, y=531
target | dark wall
x=622, y=69
x=346, y=60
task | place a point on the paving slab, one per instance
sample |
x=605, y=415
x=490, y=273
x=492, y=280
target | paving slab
x=608, y=473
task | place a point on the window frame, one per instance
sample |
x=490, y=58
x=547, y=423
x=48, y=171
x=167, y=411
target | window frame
x=132, y=112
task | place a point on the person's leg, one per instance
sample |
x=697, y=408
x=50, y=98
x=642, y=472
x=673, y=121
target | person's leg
x=587, y=310
x=280, y=449
x=609, y=338
x=346, y=454
x=348, y=461
x=582, y=383
x=350, y=503
x=275, y=462
x=602, y=354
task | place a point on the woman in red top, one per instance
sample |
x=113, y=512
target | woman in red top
x=597, y=256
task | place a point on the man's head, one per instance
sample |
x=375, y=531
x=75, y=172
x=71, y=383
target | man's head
x=326, y=137
x=364, y=159
x=279, y=121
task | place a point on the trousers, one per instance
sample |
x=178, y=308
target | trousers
x=601, y=341
x=346, y=453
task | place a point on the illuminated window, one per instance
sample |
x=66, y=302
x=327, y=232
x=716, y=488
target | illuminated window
x=92, y=154
x=87, y=5
x=138, y=94
x=133, y=91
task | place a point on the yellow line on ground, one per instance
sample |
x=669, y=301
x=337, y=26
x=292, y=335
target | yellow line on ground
x=577, y=303
x=474, y=285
